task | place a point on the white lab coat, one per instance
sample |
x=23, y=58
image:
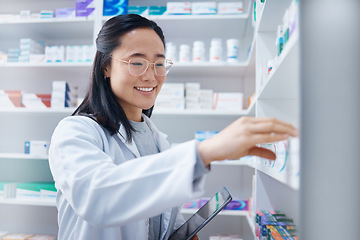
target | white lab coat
x=106, y=191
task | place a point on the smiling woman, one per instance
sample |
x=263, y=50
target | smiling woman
x=115, y=173
x=128, y=86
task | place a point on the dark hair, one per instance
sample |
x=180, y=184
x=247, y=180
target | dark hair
x=100, y=102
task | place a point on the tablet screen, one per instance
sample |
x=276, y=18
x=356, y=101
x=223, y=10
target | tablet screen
x=197, y=221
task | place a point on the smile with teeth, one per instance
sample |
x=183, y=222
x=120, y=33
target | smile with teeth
x=143, y=89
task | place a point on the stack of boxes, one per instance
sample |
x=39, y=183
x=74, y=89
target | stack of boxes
x=31, y=51
x=13, y=55
x=79, y=53
x=10, y=98
x=55, y=53
x=63, y=95
x=197, y=98
x=171, y=96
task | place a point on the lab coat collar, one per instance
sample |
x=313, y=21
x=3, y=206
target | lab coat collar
x=130, y=145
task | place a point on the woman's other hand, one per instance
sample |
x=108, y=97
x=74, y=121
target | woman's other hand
x=241, y=138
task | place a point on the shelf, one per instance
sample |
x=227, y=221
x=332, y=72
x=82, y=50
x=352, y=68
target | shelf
x=30, y=202
x=283, y=80
x=285, y=168
x=54, y=31
x=223, y=212
x=192, y=17
x=22, y=156
x=45, y=65
x=200, y=112
x=249, y=162
x=40, y=110
x=19, y=20
x=156, y=111
x=271, y=15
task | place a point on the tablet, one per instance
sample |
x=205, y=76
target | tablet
x=204, y=215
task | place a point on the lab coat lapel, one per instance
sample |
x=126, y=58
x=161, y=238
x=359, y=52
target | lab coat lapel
x=130, y=145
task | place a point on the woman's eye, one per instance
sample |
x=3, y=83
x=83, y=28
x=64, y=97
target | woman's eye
x=137, y=64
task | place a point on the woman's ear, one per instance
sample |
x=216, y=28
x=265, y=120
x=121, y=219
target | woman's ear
x=107, y=72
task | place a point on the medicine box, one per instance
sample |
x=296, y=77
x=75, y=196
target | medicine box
x=10, y=98
x=115, y=7
x=157, y=10
x=178, y=8
x=38, y=101
x=65, y=12
x=230, y=8
x=42, y=237
x=17, y=236
x=36, y=190
x=237, y=205
x=137, y=10
x=36, y=147
x=171, y=96
x=203, y=8
x=229, y=101
x=7, y=189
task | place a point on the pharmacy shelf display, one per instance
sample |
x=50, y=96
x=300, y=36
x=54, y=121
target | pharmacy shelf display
x=277, y=95
x=21, y=124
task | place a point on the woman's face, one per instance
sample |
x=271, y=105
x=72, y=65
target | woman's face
x=135, y=93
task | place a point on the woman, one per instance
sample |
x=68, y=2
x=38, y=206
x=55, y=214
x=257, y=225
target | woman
x=115, y=174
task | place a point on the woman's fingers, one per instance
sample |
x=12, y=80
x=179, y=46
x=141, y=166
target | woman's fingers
x=261, y=138
x=270, y=125
x=262, y=152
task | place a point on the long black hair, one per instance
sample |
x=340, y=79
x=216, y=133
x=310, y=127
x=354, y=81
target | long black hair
x=100, y=102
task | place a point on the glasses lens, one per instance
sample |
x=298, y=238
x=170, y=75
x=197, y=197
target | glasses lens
x=138, y=66
x=162, y=67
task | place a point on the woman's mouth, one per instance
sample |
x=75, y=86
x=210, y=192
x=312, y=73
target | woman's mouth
x=145, y=89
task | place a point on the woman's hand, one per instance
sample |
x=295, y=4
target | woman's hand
x=240, y=138
x=194, y=238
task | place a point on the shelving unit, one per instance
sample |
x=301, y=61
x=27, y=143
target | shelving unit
x=278, y=182
x=33, y=124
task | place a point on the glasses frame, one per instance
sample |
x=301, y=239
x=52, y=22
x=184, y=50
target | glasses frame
x=129, y=62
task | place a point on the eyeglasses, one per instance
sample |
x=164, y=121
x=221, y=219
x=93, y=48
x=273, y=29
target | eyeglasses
x=138, y=66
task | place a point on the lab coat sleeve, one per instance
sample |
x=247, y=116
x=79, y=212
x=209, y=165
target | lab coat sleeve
x=105, y=194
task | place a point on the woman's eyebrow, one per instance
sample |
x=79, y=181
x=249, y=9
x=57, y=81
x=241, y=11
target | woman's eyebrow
x=143, y=55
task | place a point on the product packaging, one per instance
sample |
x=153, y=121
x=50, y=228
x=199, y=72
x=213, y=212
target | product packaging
x=42, y=237
x=178, y=8
x=194, y=204
x=65, y=12
x=203, y=8
x=84, y=8
x=36, y=100
x=171, y=97
x=230, y=8
x=184, y=53
x=36, y=190
x=157, y=10
x=202, y=135
x=115, y=7
x=36, y=147
x=140, y=10
x=232, y=47
x=17, y=236
x=237, y=205
x=229, y=101
x=46, y=14
x=10, y=98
